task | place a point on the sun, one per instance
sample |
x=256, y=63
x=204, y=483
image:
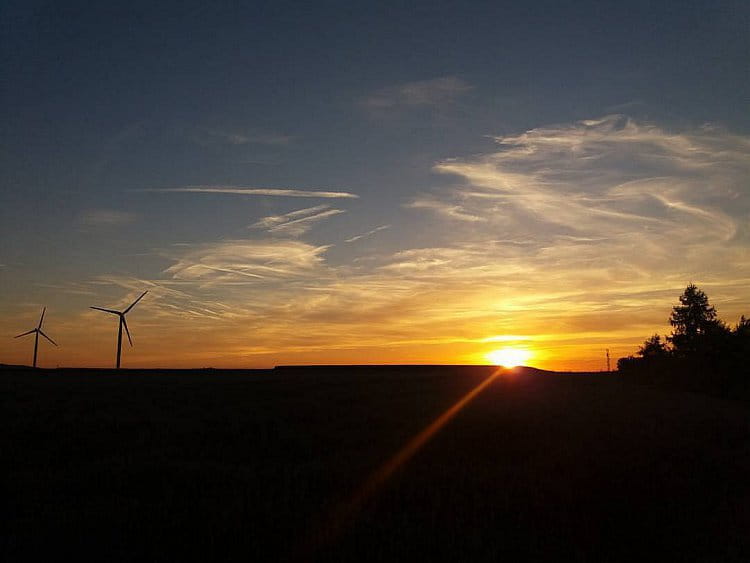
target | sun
x=509, y=357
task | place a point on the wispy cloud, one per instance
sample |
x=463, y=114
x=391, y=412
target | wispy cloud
x=251, y=191
x=607, y=178
x=449, y=210
x=163, y=301
x=422, y=93
x=368, y=233
x=295, y=223
x=247, y=261
x=611, y=197
x=106, y=218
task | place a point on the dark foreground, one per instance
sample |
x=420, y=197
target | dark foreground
x=266, y=466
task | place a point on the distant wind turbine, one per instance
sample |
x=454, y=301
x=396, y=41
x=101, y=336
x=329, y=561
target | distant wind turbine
x=123, y=322
x=37, y=331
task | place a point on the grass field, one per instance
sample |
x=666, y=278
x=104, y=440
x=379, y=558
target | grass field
x=270, y=465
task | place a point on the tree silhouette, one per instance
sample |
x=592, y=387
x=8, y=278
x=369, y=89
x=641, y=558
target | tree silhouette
x=705, y=355
x=742, y=330
x=653, y=348
x=741, y=336
x=692, y=319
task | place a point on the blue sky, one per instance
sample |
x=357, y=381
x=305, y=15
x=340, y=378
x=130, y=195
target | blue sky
x=584, y=161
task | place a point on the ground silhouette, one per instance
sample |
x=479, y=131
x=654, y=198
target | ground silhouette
x=154, y=467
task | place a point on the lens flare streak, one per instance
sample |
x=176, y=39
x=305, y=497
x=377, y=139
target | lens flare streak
x=342, y=515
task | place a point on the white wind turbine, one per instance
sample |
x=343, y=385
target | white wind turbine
x=123, y=322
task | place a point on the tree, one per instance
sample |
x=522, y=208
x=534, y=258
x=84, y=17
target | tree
x=742, y=343
x=705, y=353
x=742, y=330
x=692, y=319
x=653, y=348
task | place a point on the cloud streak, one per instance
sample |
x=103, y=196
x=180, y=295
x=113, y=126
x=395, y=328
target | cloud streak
x=106, y=218
x=368, y=233
x=449, y=210
x=435, y=92
x=295, y=223
x=246, y=261
x=251, y=191
x=209, y=137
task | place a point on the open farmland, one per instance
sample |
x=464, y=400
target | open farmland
x=288, y=464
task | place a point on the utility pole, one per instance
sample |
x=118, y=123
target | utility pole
x=608, y=367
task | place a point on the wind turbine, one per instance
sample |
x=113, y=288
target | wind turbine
x=37, y=331
x=123, y=322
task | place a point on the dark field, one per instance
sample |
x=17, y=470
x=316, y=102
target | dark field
x=263, y=466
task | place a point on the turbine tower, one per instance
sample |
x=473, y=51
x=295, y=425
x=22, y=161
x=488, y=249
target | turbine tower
x=37, y=331
x=123, y=322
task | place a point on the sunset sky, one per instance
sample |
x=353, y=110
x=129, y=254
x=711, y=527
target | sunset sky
x=369, y=183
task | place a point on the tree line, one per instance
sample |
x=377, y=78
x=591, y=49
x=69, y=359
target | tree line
x=703, y=353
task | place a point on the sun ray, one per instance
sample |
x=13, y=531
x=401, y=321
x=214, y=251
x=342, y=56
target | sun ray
x=342, y=516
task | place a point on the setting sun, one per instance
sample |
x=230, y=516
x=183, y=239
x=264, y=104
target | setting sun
x=509, y=357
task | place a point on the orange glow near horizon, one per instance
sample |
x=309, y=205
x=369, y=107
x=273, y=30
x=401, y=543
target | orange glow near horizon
x=94, y=345
x=568, y=338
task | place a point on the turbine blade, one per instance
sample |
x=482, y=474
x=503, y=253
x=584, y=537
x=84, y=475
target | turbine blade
x=134, y=302
x=33, y=330
x=125, y=324
x=41, y=319
x=48, y=338
x=106, y=310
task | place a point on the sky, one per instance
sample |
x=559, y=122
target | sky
x=325, y=182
